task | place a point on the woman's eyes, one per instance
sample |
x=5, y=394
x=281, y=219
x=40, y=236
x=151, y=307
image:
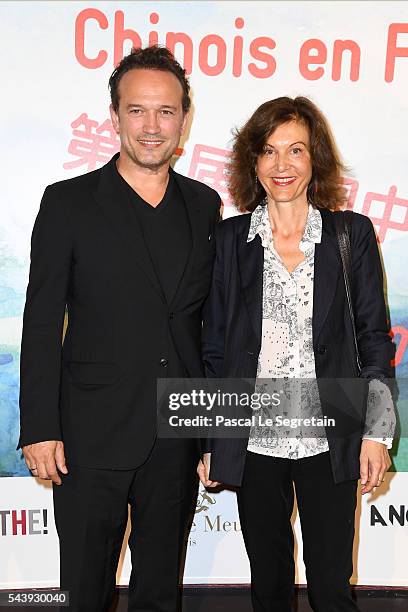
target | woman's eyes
x=294, y=151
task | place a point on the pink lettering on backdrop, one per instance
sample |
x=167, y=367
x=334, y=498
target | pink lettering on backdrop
x=392, y=208
x=93, y=143
x=218, y=44
x=209, y=165
x=216, y=54
x=313, y=52
x=400, y=336
x=80, y=22
x=393, y=51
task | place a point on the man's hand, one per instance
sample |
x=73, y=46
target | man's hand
x=43, y=459
x=203, y=471
x=374, y=462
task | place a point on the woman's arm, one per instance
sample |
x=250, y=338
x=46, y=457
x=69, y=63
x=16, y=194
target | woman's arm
x=375, y=344
x=376, y=351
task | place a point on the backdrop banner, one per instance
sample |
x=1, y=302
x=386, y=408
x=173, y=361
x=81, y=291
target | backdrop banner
x=351, y=58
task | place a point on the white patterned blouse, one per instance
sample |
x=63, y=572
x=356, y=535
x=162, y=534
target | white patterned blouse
x=287, y=348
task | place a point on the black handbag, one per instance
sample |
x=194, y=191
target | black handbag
x=343, y=230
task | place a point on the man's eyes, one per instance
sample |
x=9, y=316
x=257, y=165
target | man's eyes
x=139, y=111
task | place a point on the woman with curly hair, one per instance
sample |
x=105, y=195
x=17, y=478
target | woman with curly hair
x=288, y=303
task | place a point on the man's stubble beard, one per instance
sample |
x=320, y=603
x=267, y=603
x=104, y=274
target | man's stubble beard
x=153, y=165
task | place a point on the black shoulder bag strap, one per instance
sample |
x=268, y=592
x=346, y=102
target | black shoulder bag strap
x=343, y=221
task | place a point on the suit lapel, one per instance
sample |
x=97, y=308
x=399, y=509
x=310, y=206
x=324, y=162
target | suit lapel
x=114, y=202
x=326, y=273
x=192, y=206
x=250, y=262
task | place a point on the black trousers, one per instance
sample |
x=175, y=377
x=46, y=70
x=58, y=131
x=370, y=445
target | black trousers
x=326, y=511
x=91, y=512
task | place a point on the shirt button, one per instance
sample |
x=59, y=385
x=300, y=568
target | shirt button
x=321, y=349
x=171, y=315
x=163, y=362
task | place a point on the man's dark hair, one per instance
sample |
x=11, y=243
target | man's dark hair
x=149, y=58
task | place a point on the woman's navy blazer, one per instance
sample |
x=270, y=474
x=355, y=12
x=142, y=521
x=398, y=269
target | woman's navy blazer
x=232, y=332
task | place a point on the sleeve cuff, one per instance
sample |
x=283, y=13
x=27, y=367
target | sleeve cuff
x=386, y=441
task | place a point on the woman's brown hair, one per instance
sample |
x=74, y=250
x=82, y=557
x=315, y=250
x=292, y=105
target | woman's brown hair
x=324, y=190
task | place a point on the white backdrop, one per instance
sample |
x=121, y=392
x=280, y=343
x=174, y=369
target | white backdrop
x=56, y=60
x=216, y=553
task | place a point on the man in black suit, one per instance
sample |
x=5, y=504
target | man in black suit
x=128, y=250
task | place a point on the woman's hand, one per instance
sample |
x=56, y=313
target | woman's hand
x=203, y=471
x=374, y=462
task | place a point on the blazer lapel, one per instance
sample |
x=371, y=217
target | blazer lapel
x=326, y=273
x=192, y=207
x=114, y=202
x=250, y=262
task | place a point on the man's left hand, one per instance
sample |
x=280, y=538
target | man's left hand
x=374, y=462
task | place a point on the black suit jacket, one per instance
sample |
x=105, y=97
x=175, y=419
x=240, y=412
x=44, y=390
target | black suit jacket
x=233, y=327
x=97, y=392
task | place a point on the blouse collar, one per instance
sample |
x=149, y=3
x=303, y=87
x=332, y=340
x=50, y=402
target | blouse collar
x=260, y=225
